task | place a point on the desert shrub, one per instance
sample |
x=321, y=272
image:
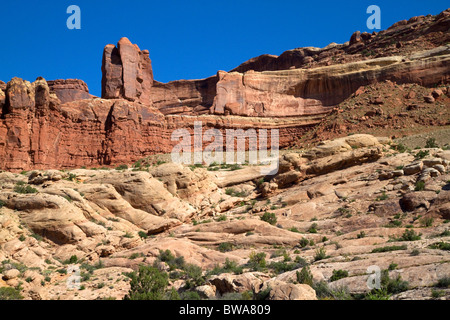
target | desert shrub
x=294, y=229
x=304, y=242
x=441, y=246
x=257, y=261
x=409, y=235
x=420, y=186
x=172, y=295
x=24, y=189
x=443, y=282
x=226, y=247
x=194, y=276
x=377, y=294
x=263, y=294
x=392, y=266
x=421, y=154
x=143, y=235
x=282, y=266
x=361, y=235
x=305, y=276
x=427, y=222
x=222, y=218
x=383, y=196
x=72, y=260
x=431, y=143
x=7, y=293
x=122, y=167
x=389, y=248
x=320, y=254
x=393, y=286
x=228, y=267
x=173, y=263
x=400, y=148
x=313, y=228
x=149, y=283
x=339, y=274
x=269, y=217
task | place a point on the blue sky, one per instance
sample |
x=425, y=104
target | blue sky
x=187, y=39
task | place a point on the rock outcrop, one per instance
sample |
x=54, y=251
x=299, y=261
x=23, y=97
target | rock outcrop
x=69, y=90
x=127, y=72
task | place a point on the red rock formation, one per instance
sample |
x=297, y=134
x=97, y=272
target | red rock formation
x=69, y=89
x=127, y=72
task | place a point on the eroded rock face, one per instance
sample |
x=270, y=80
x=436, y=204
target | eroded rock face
x=69, y=89
x=127, y=72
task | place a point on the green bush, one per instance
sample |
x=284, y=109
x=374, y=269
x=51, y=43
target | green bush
x=383, y=196
x=304, y=242
x=172, y=295
x=339, y=274
x=361, y=235
x=257, y=261
x=2, y=203
x=72, y=260
x=320, y=254
x=269, y=218
x=421, y=154
x=392, y=266
x=226, y=247
x=313, y=228
x=393, y=286
x=174, y=263
x=400, y=148
x=377, y=294
x=143, y=234
x=7, y=293
x=282, y=266
x=441, y=246
x=427, y=222
x=443, y=282
x=420, y=186
x=122, y=167
x=24, y=189
x=431, y=143
x=389, y=248
x=305, y=276
x=409, y=235
x=194, y=276
x=149, y=283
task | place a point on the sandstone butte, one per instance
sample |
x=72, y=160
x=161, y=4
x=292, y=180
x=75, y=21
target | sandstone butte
x=58, y=124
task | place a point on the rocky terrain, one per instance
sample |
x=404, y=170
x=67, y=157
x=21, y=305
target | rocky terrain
x=337, y=209
x=88, y=193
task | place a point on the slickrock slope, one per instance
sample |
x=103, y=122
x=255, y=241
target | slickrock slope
x=338, y=209
x=60, y=125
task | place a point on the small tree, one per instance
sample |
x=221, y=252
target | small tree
x=148, y=284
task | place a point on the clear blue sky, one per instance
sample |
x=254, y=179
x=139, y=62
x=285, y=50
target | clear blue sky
x=187, y=39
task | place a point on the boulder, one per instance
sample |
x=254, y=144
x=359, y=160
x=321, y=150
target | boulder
x=279, y=290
